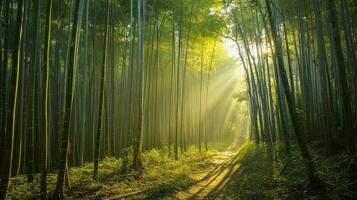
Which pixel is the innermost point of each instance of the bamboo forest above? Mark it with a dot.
(178, 99)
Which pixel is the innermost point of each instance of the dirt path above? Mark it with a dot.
(211, 185)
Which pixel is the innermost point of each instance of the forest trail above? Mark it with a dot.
(211, 185)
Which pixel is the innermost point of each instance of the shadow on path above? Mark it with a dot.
(209, 186)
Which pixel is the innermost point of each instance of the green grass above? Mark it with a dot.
(255, 178)
(262, 177)
(219, 146)
(259, 176)
(161, 175)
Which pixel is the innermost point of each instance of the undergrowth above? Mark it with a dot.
(263, 176)
(161, 175)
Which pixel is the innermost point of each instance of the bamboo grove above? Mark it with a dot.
(300, 64)
(82, 80)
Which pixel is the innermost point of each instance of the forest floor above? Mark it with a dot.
(253, 173)
(161, 176)
(211, 185)
(247, 173)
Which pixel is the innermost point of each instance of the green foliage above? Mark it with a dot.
(262, 177)
(161, 176)
(127, 159)
(169, 187)
(219, 146)
(256, 176)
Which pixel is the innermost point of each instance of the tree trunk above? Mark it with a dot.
(289, 97)
(7, 150)
(138, 126)
(101, 100)
(69, 99)
(335, 40)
